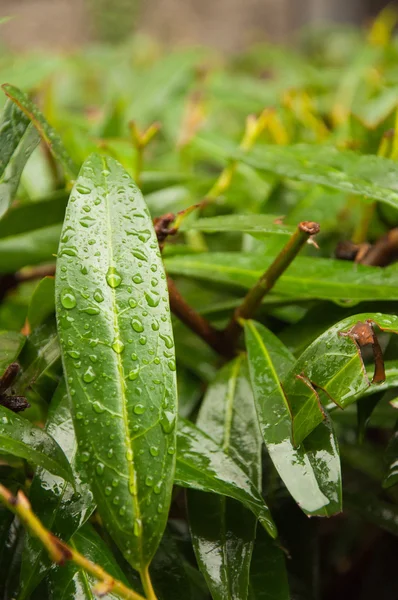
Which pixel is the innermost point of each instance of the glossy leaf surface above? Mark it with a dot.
(18, 139)
(202, 465)
(333, 364)
(268, 575)
(305, 278)
(118, 354)
(311, 472)
(30, 248)
(49, 135)
(20, 438)
(71, 582)
(61, 508)
(223, 540)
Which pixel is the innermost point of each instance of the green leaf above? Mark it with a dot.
(30, 248)
(223, 530)
(61, 508)
(17, 141)
(45, 130)
(71, 582)
(42, 303)
(24, 218)
(258, 225)
(203, 465)
(268, 575)
(311, 472)
(369, 176)
(332, 364)
(118, 354)
(20, 438)
(11, 344)
(305, 278)
(372, 509)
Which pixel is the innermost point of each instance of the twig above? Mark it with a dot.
(59, 551)
(254, 297)
(198, 324)
(140, 141)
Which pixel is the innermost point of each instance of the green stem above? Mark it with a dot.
(267, 281)
(147, 584)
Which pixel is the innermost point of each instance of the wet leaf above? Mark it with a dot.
(42, 303)
(268, 575)
(311, 472)
(61, 508)
(71, 582)
(20, 438)
(49, 135)
(118, 355)
(332, 364)
(18, 139)
(203, 465)
(223, 530)
(305, 278)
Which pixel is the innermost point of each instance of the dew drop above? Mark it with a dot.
(142, 340)
(68, 299)
(134, 356)
(132, 302)
(113, 278)
(90, 310)
(152, 299)
(139, 409)
(172, 365)
(138, 278)
(100, 468)
(168, 421)
(93, 358)
(85, 457)
(137, 325)
(98, 295)
(108, 490)
(168, 341)
(155, 325)
(158, 487)
(137, 527)
(171, 450)
(133, 374)
(122, 511)
(110, 453)
(73, 354)
(82, 189)
(154, 450)
(117, 345)
(89, 375)
(79, 416)
(149, 481)
(98, 407)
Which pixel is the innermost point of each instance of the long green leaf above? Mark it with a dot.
(20, 438)
(61, 508)
(203, 465)
(258, 225)
(305, 278)
(370, 176)
(228, 416)
(45, 130)
(30, 248)
(42, 303)
(268, 575)
(332, 364)
(311, 473)
(24, 218)
(118, 354)
(18, 139)
(71, 582)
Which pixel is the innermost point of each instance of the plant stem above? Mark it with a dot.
(267, 281)
(59, 551)
(198, 324)
(147, 584)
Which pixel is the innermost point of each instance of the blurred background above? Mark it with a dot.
(225, 24)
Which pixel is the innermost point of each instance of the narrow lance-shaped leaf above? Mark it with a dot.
(19, 437)
(322, 278)
(11, 344)
(118, 354)
(257, 225)
(268, 574)
(18, 139)
(49, 135)
(202, 465)
(71, 582)
(332, 364)
(391, 460)
(61, 508)
(223, 531)
(311, 473)
(42, 303)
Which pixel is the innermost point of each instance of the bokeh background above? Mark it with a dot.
(226, 24)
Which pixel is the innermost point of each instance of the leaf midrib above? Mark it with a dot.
(128, 440)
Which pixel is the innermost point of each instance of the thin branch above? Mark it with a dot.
(198, 324)
(59, 551)
(264, 285)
